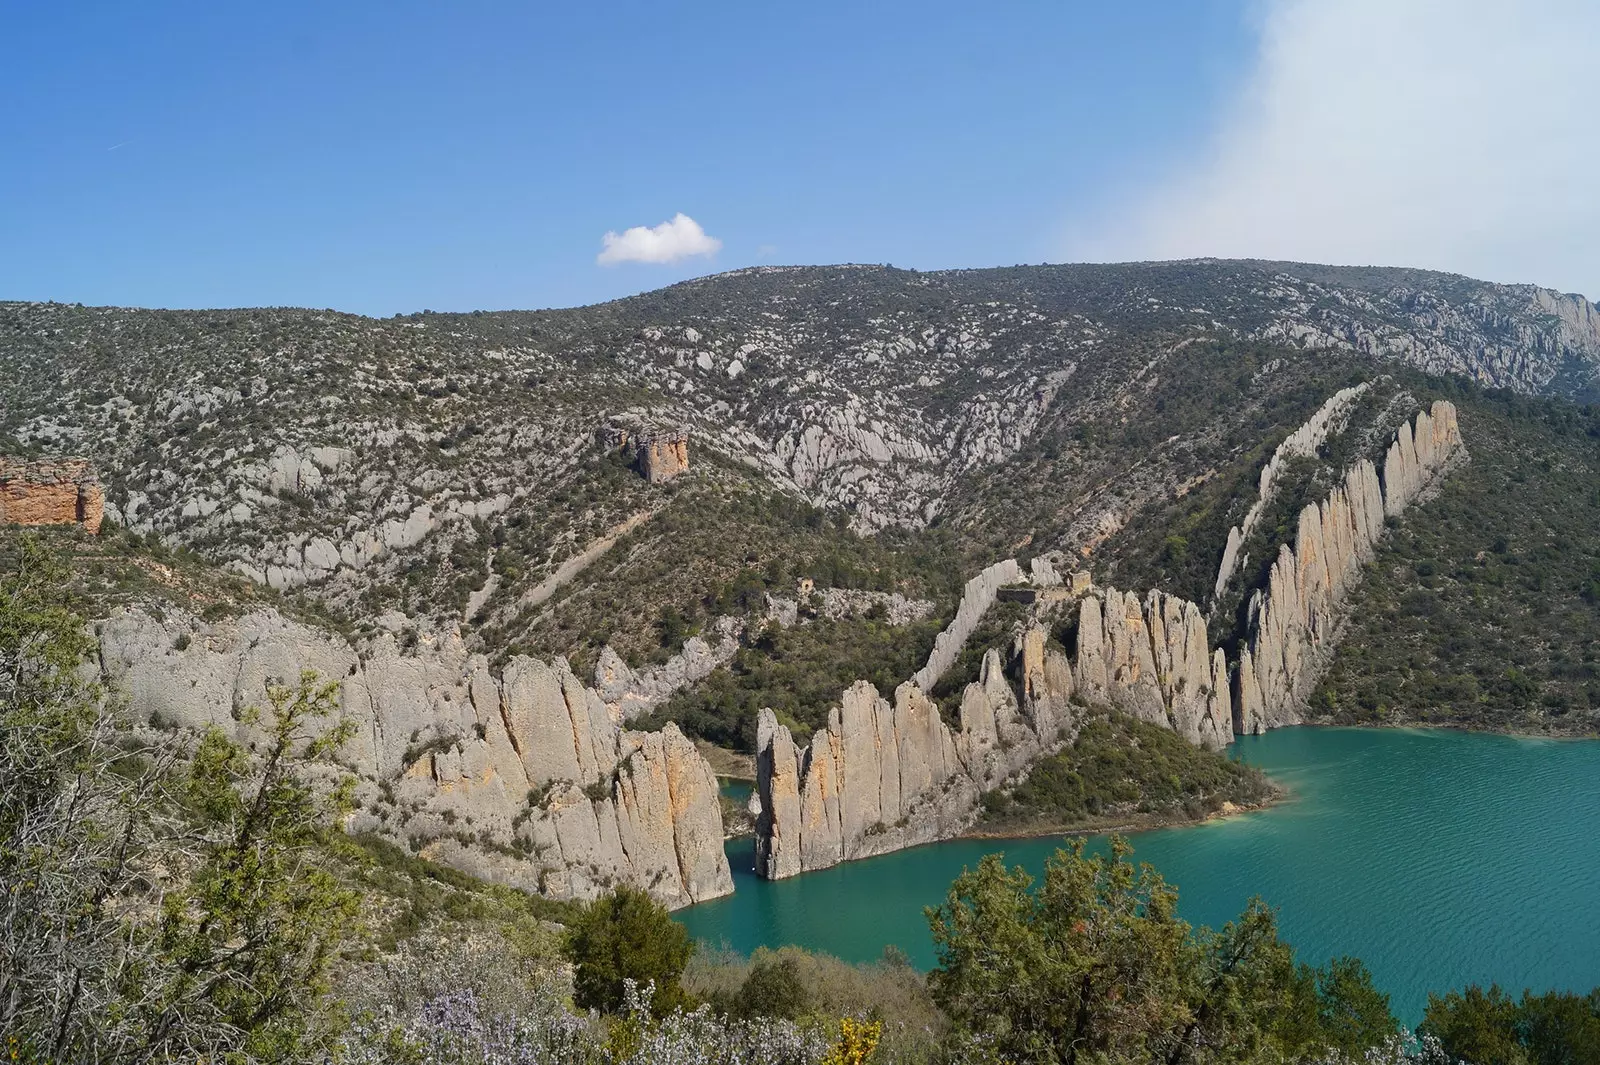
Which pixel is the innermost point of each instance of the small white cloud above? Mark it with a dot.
(677, 239)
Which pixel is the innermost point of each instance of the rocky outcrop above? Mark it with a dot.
(664, 456)
(1329, 420)
(527, 777)
(630, 692)
(50, 492)
(884, 776)
(1295, 620)
(976, 599)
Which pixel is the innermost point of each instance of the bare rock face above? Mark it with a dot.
(976, 598)
(1297, 619)
(664, 456)
(532, 763)
(50, 492)
(1330, 418)
(630, 692)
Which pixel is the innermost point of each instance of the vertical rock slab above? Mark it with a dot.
(778, 784)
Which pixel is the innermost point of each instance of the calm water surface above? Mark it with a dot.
(1436, 857)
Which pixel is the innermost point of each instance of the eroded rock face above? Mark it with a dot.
(1329, 419)
(1297, 617)
(532, 766)
(631, 692)
(976, 598)
(50, 492)
(885, 776)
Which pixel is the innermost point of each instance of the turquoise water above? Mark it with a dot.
(1436, 857)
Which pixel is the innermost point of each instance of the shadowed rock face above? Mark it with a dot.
(1296, 620)
(50, 492)
(527, 778)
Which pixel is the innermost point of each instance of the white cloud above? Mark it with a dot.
(677, 239)
(1452, 134)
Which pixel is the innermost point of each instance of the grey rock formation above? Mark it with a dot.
(630, 692)
(532, 763)
(1296, 619)
(976, 599)
(1329, 420)
(881, 777)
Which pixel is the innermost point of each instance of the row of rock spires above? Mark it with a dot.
(1295, 618)
(1330, 418)
(527, 778)
(882, 776)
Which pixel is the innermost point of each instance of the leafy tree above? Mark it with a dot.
(1475, 1025)
(773, 989)
(1489, 1027)
(624, 936)
(128, 931)
(1095, 965)
(254, 932)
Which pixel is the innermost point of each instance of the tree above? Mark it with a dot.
(1096, 966)
(624, 936)
(75, 824)
(254, 930)
(1491, 1028)
(151, 911)
(1475, 1025)
(773, 988)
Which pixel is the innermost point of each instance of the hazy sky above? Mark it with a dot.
(384, 157)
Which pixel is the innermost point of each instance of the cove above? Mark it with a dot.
(1437, 857)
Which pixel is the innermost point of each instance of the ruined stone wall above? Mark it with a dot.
(50, 492)
(663, 457)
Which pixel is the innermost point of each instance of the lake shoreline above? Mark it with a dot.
(1102, 826)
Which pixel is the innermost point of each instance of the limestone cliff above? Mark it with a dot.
(50, 492)
(527, 778)
(1294, 622)
(885, 776)
(1303, 442)
(976, 599)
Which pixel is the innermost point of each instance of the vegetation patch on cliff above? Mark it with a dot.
(1483, 608)
(799, 673)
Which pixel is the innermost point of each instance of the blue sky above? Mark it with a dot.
(390, 157)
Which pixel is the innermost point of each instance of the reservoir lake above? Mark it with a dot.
(1437, 857)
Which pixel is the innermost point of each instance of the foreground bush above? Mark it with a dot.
(1096, 966)
(626, 938)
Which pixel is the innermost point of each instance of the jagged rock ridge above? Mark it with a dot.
(1295, 620)
(527, 778)
(884, 776)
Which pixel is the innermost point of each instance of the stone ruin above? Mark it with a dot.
(658, 454)
(50, 492)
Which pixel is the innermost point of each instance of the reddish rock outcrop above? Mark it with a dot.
(50, 492)
(663, 457)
